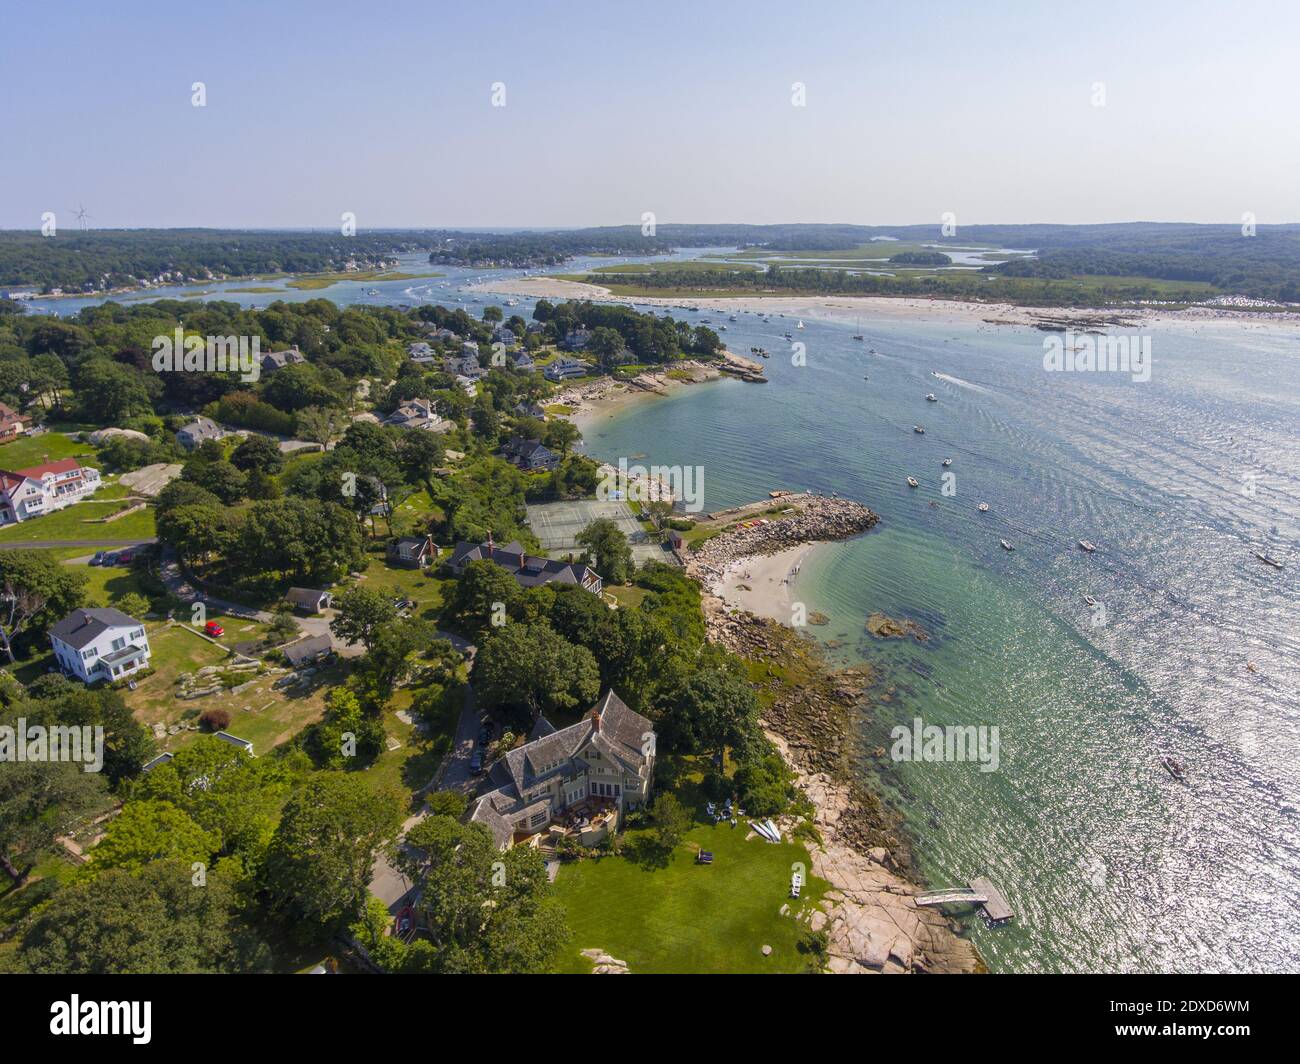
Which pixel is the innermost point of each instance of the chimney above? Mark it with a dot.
(489, 543)
(595, 720)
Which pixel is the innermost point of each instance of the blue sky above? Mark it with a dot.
(612, 109)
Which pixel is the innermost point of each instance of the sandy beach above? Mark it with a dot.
(851, 309)
(762, 584)
(595, 401)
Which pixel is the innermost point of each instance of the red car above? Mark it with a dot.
(213, 629)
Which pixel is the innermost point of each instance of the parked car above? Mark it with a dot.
(213, 629)
(476, 762)
(100, 558)
(125, 557)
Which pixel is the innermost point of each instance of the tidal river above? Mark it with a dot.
(1192, 648)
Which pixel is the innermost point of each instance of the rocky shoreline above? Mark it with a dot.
(870, 918)
(816, 519)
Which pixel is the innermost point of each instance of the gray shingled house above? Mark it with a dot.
(576, 781)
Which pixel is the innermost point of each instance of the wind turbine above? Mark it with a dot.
(81, 216)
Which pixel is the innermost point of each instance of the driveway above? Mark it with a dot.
(170, 571)
(454, 773)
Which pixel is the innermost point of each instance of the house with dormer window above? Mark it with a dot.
(576, 781)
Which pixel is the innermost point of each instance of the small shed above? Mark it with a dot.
(308, 650)
(308, 599)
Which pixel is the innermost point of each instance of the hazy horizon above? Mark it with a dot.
(753, 113)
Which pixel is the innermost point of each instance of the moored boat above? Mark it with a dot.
(983, 507)
(1173, 767)
(1084, 545)
(912, 482)
(1006, 545)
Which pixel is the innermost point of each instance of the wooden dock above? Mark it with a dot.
(996, 909)
(979, 892)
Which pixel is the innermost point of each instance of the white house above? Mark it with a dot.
(100, 644)
(564, 368)
(42, 489)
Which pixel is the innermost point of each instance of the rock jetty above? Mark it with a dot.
(816, 519)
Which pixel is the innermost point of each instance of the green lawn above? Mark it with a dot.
(413, 764)
(31, 451)
(425, 590)
(83, 520)
(687, 917)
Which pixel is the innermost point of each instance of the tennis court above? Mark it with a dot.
(557, 525)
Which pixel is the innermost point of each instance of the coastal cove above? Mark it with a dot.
(1109, 863)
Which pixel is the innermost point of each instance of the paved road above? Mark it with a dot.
(41, 544)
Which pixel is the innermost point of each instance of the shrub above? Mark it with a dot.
(214, 720)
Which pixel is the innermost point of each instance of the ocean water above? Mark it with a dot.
(1110, 864)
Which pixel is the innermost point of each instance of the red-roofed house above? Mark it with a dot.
(12, 424)
(44, 488)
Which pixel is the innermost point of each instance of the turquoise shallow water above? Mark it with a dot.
(1110, 864)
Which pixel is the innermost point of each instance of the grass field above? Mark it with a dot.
(311, 282)
(425, 590)
(264, 715)
(83, 520)
(28, 451)
(684, 917)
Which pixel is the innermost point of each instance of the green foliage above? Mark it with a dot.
(485, 911)
(533, 667)
(318, 865)
(153, 920)
(607, 550)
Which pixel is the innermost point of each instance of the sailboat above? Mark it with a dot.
(799, 325)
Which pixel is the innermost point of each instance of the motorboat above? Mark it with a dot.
(930, 397)
(1006, 545)
(919, 429)
(983, 507)
(912, 482)
(1084, 545)
(947, 462)
(1173, 767)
